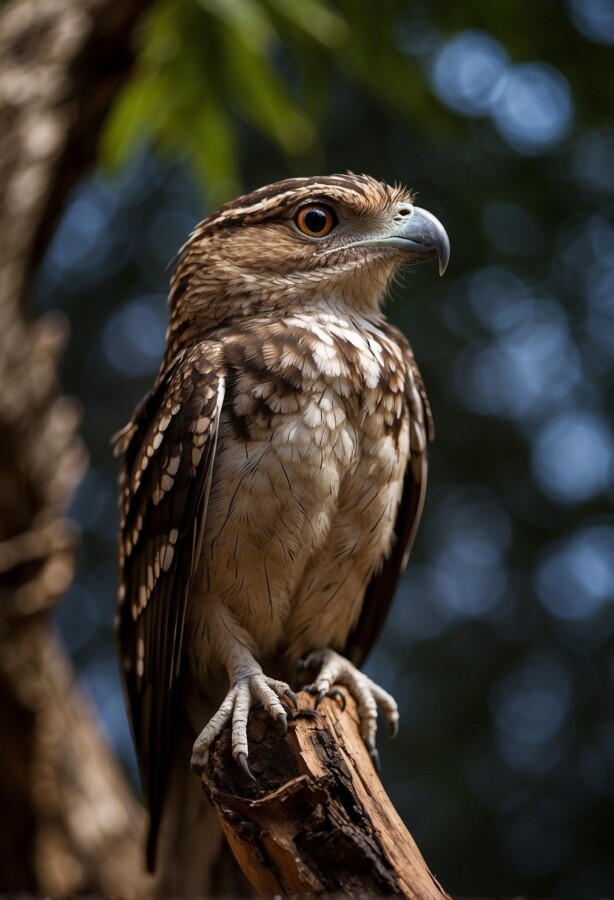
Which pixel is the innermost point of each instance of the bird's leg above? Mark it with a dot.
(249, 686)
(334, 669)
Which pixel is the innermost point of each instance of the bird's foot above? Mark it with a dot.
(247, 692)
(335, 670)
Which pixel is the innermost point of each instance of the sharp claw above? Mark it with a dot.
(282, 718)
(199, 767)
(307, 714)
(336, 694)
(394, 728)
(370, 744)
(376, 761)
(320, 697)
(242, 760)
(309, 689)
(292, 696)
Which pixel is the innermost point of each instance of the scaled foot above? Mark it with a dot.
(255, 689)
(334, 669)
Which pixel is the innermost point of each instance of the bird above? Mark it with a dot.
(273, 479)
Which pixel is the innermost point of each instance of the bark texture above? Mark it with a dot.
(317, 820)
(70, 823)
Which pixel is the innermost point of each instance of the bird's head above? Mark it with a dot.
(305, 243)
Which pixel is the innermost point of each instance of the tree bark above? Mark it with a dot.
(317, 819)
(70, 823)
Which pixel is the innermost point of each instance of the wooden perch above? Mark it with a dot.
(317, 820)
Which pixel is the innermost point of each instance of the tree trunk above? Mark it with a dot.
(70, 822)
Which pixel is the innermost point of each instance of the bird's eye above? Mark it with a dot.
(315, 221)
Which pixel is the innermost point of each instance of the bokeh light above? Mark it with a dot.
(472, 534)
(575, 580)
(594, 19)
(133, 339)
(573, 456)
(534, 110)
(529, 704)
(530, 367)
(468, 70)
(593, 153)
(530, 103)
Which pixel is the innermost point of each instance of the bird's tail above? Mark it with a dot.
(193, 858)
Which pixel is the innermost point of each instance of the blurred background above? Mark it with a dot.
(501, 116)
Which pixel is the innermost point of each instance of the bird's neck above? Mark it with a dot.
(198, 308)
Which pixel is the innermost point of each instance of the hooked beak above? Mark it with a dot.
(419, 234)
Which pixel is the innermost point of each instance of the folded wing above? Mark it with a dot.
(382, 587)
(169, 450)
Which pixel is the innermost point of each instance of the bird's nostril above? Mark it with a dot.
(405, 210)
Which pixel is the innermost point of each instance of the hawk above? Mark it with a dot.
(273, 478)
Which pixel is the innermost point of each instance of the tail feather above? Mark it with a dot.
(191, 855)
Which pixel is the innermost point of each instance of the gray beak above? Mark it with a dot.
(419, 234)
(424, 235)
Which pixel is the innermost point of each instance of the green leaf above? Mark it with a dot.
(316, 19)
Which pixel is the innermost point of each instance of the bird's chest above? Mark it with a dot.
(282, 462)
(306, 420)
(306, 403)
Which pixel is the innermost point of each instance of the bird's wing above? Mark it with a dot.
(381, 589)
(169, 449)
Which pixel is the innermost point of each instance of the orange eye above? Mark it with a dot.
(315, 221)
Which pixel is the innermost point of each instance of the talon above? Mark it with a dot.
(321, 695)
(307, 713)
(242, 760)
(373, 753)
(336, 694)
(394, 728)
(199, 767)
(282, 718)
(301, 665)
(368, 696)
(292, 697)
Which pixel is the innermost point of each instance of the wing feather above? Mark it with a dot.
(382, 587)
(169, 450)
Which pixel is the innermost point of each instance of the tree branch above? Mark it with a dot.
(317, 820)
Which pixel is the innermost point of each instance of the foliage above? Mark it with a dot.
(208, 67)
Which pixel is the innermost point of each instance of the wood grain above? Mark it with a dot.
(317, 820)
